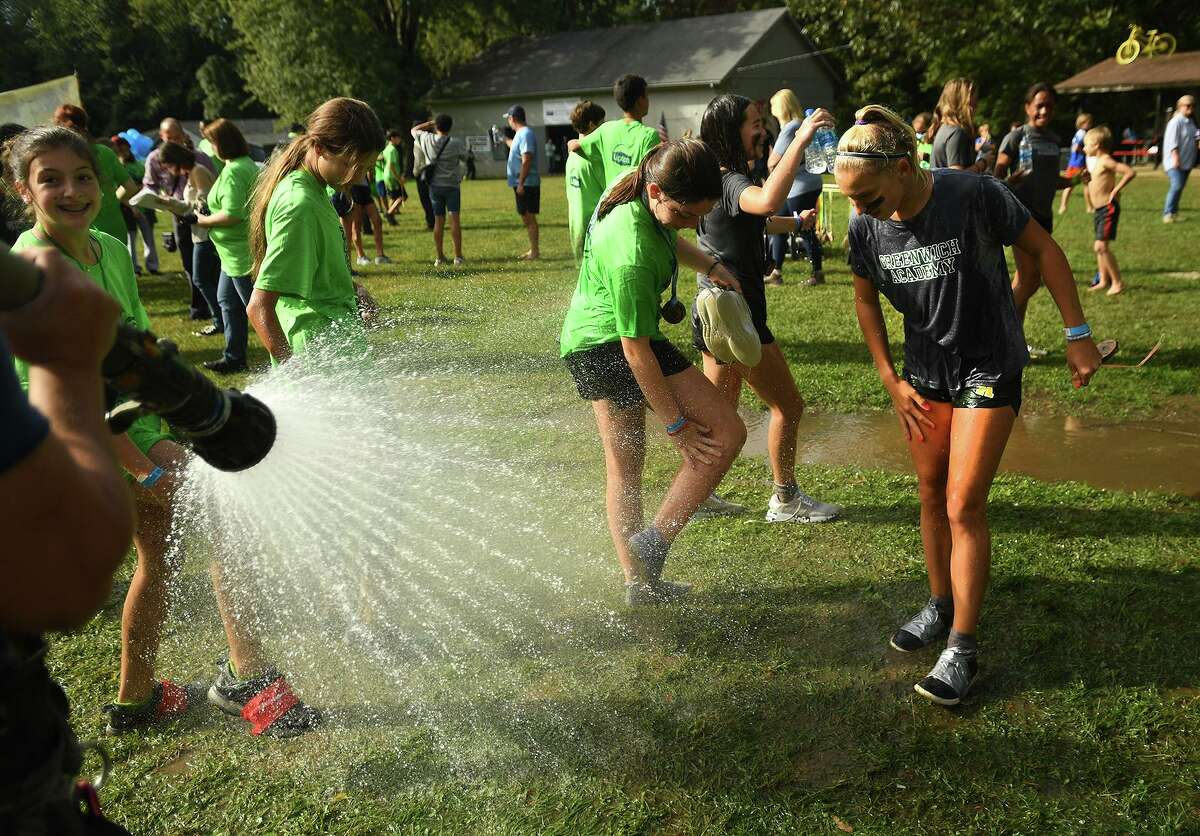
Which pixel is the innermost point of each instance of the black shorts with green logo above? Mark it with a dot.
(978, 396)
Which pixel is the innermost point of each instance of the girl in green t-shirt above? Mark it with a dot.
(302, 288)
(55, 172)
(621, 362)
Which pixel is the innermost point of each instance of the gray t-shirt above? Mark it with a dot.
(944, 269)
(952, 146)
(736, 237)
(447, 173)
(1037, 190)
(804, 182)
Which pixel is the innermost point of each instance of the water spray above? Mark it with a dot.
(228, 429)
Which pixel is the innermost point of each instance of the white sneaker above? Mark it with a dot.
(459, 261)
(1035, 352)
(1168, 219)
(440, 262)
(382, 259)
(717, 506)
(802, 508)
(363, 261)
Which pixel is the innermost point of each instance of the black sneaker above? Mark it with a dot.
(168, 701)
(267, 702)
(951, 677)
(224, 366)
(922, 630)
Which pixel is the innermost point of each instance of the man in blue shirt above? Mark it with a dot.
(1179, 154)
(523, 175)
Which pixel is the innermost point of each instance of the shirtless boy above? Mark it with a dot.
(1102, 194)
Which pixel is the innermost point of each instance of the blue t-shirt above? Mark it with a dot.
(24, 426)
(525, 142)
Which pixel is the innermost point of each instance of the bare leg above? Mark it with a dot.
(977, 441)
(376, 227)
(772, 381)
(531, 227)
(1114, 272)
(356, 230)
(931, 458)
(1026, 282)
(700, 402)
(439, 232)
(623, 433)
(1101, 266)
(146, 602)
(245, 649)
(456, 234)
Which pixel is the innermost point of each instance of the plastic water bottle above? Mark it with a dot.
(821, 153)
(1025, 150)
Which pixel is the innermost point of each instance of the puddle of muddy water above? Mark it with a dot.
(1142, 455)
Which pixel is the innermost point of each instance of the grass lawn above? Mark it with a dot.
(769, 702)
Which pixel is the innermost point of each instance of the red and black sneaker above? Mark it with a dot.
(168, 701)
(266, 702)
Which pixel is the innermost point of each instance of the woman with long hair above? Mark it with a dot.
(621, 361)
(733, 234)
(933, 242)
(802, 196)
(302, 287)
(953, 131)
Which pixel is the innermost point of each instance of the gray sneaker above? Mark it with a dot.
(650, 593)
(951, 677)
(717, 506)
(802, 508)
(922, 630)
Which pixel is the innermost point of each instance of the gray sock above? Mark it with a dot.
(652, 549)
(962, 641)
(944, 606)
(786, 493)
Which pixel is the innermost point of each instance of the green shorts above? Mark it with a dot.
(980, 396)
(145, 433)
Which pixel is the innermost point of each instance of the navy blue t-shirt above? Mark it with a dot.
(24, 427)
(944, 269)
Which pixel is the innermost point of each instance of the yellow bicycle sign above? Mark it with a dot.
(1150, 44)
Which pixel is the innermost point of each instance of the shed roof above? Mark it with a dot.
(1179, 70)
(672, 53)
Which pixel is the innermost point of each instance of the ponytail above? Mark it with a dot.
(339, 126)
(685, 169)
(883, 138)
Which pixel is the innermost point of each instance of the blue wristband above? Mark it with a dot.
(1078, 332)
(151, 478)
(679, 424)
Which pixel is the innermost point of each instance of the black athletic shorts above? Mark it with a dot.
(530, 202)
(361, 194)
(1106, 218)
(602, 373)
(981, 396)
(1046, 221)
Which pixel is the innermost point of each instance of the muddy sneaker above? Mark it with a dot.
(267, 702)
(382, 259)
(362, 261)
(802, 508)
(650, 593)
(922, 630)
(717, 506)
(817, 279)
(951, 677)
(168, 701)
(459, 261)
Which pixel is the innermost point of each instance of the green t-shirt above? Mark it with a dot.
(381, 166)
(392, 160)
(136, 170)
(231, 193)
(627, 264)
(583, 193)
(112, 174)
(207, 147)
(617, 146)
(306, 260)
(113, 271)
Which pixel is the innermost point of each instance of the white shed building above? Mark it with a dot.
(685, 63)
